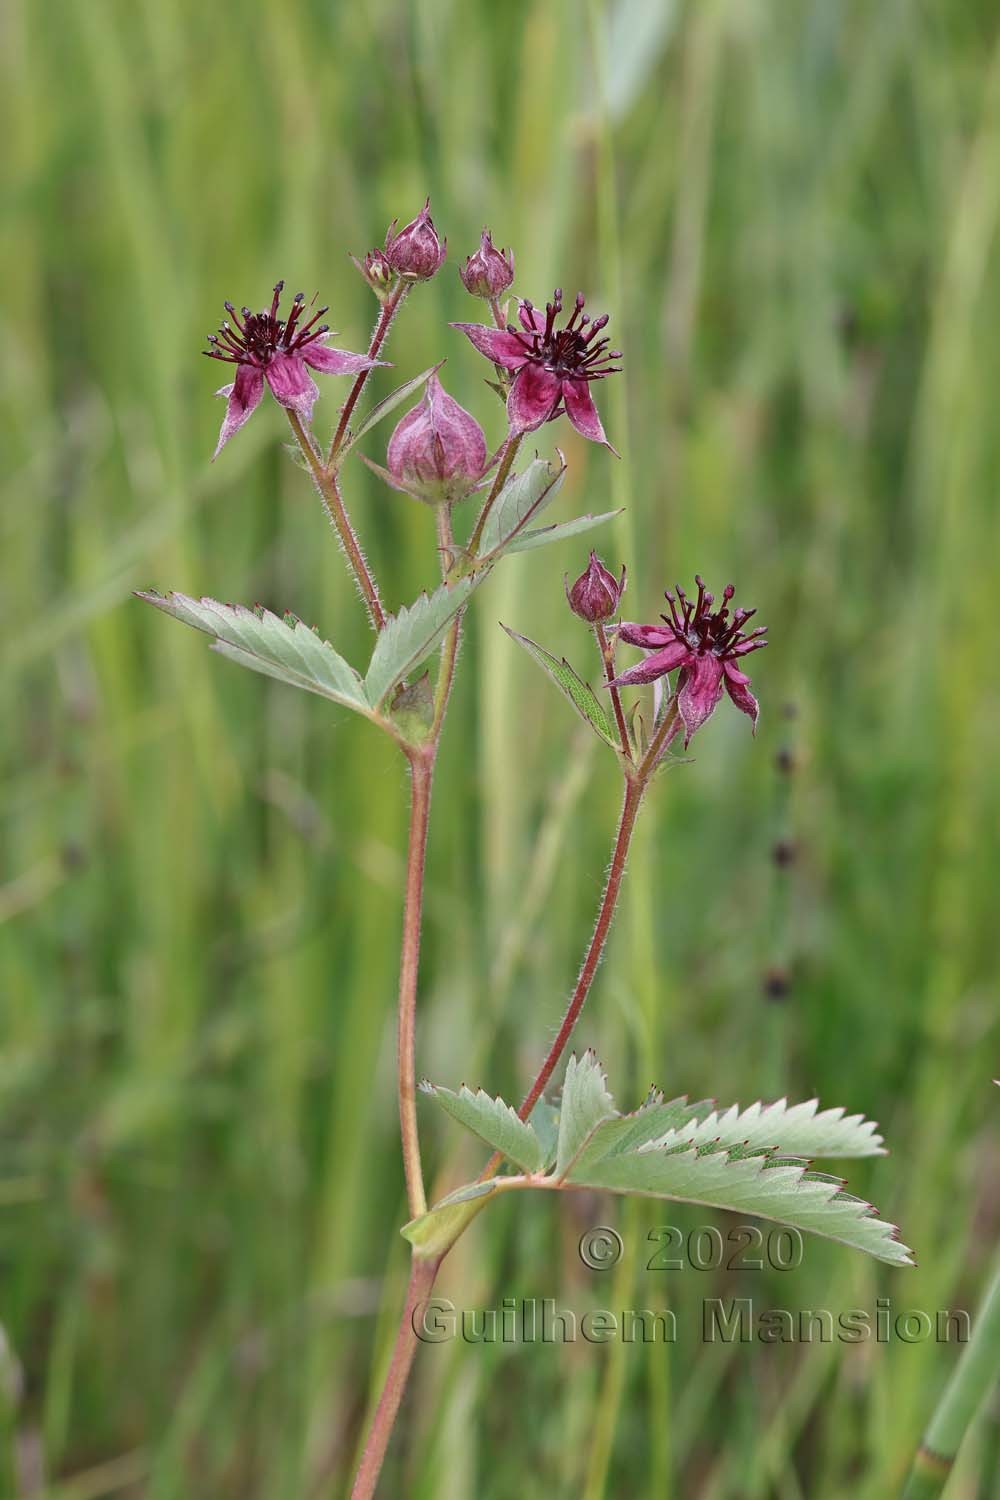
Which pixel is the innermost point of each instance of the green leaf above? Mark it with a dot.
(521, 500)
(579, 693)
(412, 634)
(651, 1122)
(383, 408)
(439, 1228)
(545, 1122)
(792, 1129)
(769, 1188)
(585, 1103)
(494, 1122)
(560, 531)
(284, 649)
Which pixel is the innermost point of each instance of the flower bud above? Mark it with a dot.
(415, 252)
(377, 272)
(490, 272)
(438, 451)
(596, 594)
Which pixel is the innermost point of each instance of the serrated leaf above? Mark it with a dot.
(440, 1226)
(284, 649)
(522, 499)
(412, 634)
(559, 531)
(494, 1122)
(792, 1130)
(751, 1184)
(579, 693)
(585, 1103)
(382, 408)
(653, 1121)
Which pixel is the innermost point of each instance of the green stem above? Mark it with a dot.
(421, 780)
(388, 311)
(971, 1381)
(326, 482)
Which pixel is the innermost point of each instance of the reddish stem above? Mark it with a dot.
(422, 1274)
(388, 311)
(326, 482)
(634, 788)
(608, 659)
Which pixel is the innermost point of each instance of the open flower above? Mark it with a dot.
(266, 347)
(438, 451)
(705, 644)
(554, 366)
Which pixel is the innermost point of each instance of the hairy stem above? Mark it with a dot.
(326, 483)
(636, 783)
(388, 311)
(634, 789)
(608, 660)
(422, 1274)
(421, 778)
(973, 1377)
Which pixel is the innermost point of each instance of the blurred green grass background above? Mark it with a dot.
(790, 211)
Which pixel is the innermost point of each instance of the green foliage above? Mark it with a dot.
(494, 1122)
(580, 693)
(561, 531)
(285, 649)
(702, 1156)
(411, 635)
(522, 500)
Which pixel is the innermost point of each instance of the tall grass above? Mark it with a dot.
(791, 212)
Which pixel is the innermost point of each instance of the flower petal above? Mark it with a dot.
(699, 691)
(291, 384)
(738, 688)
(532, 398)
(331, 361)
(582, 412)
(504, 349)
(530, 318)
(657, 664)
(244, 397)
(647, 636)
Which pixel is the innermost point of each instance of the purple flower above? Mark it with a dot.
(490, 272)
(596, 593)
(705, 645)
(415, 252)
(438, 451)
(554, 365)
(265, 347)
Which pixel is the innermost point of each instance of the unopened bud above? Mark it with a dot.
(415, 252)
(438, 451)
(377, 272)
(596, 594)
(490, 272)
